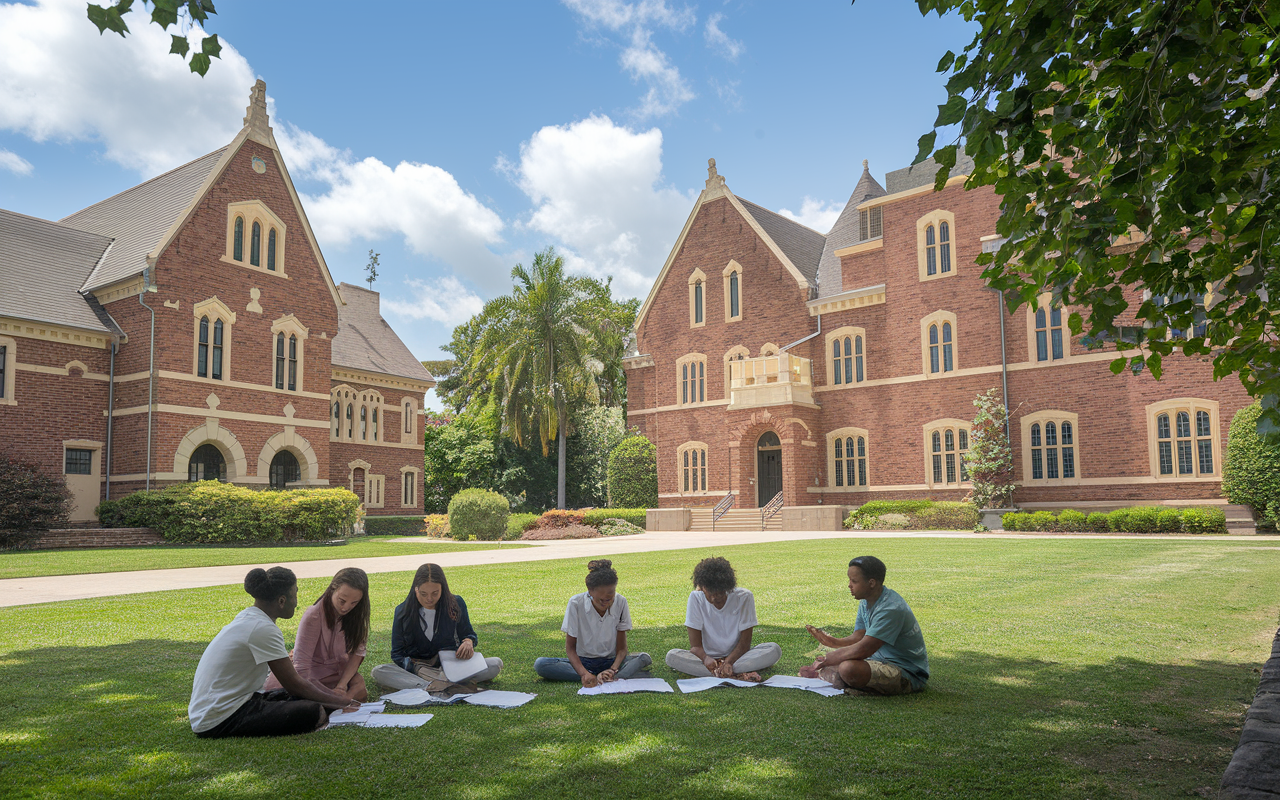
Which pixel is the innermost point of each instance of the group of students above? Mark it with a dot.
(249, 684)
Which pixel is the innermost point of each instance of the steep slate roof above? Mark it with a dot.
(801, 244)
(138, 218)
(42, 266)
(845, 233)
(923, 173)
(366, 342)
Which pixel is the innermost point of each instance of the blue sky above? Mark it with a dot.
(456, 139)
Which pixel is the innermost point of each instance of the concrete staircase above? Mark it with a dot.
(735, 519)
(1240, 519)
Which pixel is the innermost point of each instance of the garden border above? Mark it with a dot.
(1254, 771)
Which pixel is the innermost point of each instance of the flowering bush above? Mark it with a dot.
(990, 458)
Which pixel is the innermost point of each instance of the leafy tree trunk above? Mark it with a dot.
(560, 460)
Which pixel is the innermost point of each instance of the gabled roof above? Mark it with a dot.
(923, 174)
(803, 245)
(138, 218)
(845, 233)
(42, 266)
(366, 342)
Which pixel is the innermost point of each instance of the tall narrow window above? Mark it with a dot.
(839, 470)
(934, 362)
(693, 469)
(293, 363)
(697, 302)
(255, 245)
(1037, 453)
(279, 360)
(237, 243)
(364, 423)
(930, 252)
(1204, 441)
(4, 365)
(734, 310)
(1183, 430)
(944, 247)
(1042, 336)
(686, 470)
(948, 449)
(408, 418)
(862, 461)
(848, 361)
(202, 349)
(271, 250)
(838, 372)
(1051, 450)
(350, 422)
(947, 364)
(857, 357)
(216, 371)
(1068, 450)
(337, 419)
(1164, 445)
(949, 438)
(702, 382)
(1049, 341)
(375, 424)
(684, 384)
(936, 441)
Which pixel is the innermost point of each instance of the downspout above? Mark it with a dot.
(151, 369)
(111, 409)
(1004, 368)
(806, 338)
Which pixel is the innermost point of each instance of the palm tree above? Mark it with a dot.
(538, 354)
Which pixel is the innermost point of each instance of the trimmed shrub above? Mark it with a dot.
(560, 519)
(479, 513)
(1204, 520)
(567, 532)
(1042, 521)
(1072, 521)
(1169, 520)
(31, 501)
(618, 527)
(518, 524)
(395, 526)
(1138, 519)
(1251, 471)
(633, 474)
(946, 516)
(636, 516)
(917, 515)
(1097, 522)
(1014, 521)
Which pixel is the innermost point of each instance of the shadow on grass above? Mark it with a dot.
(111, 722)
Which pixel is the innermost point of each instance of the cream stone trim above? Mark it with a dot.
(190, 411)
(885, 199)
(1191, 405)
(942, 425)
(256, 387)
(727, 273)
(62, 371)
(306, 229)
(697, 278)
(408, 408)
(702, 448)
(212, 433)
(1045, 301)
(860, 247)
(1116, 481)
(252, 211)
(81, 444)
(380, 379)
(64, 334)
(120, 290)
(11, 367)
(677, 407)
(375, 490)
(768, 349)
(844, 433)
(214, 309)
(936, 218)
(938, 318)
(289, 325)
(854, 298)
(729, 358)
(691, 359)
(839, 334)
(410, 485)
(1057, 417)
(638, 362)
(290, 440)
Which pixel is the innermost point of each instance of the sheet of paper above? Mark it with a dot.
(343, 717)
(628, 686)
(690, 685)
(457, 670)
(419, 697)
(815, 685)
(397, 720)
(498, 699)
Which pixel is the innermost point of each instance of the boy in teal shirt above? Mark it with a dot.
(886, 653)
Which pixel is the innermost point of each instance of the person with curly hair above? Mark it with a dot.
(720, 618)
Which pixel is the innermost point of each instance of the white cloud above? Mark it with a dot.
(62, 81)
(598, 189)
(719, 41)
(14, 163)
(617, 15)
(444, 300)
(815, 214)
(667, 89)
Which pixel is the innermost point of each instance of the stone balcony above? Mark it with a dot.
(772, 380)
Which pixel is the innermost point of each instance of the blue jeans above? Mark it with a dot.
(559, 669)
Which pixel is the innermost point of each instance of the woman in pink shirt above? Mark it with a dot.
(331, 637)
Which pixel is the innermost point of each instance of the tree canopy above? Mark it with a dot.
(1135, 146)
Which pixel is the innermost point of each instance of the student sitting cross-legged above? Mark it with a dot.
(430, 620)
(225, 696)
(720, 618)
(886, 653)
(331, 637)
(595, 634)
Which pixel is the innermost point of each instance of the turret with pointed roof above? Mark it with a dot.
(845, 233)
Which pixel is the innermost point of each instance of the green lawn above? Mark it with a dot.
(36, 563)
(1073, 669)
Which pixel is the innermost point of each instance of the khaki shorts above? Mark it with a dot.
(887, 679)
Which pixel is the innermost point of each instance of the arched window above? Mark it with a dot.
(697, 302)
(850, 468)
(255, 245)
(207, 464)
(857, 359)
(408, 418)
(935, 237)
(375, 424)
(930, 252)
(1049, 437)
(948, 447)
(364, 423)
(284, 470)
(202, 349)
(271, 250)
(293, 363)
(1204, 442)
(1049, 335)
(280, 360)
(947, 364)
(693, 467)
(944, 247)
(350, 422)
(237, 247)
(684, 384)
(842, 357)
(938, 343)
(337, 419)
(693, 381)
(216, 371)
(934, 361)
(734, 310)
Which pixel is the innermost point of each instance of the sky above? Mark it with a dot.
(458, 139)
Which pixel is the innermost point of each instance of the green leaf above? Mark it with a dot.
(1117, 366)
(926, 147)
(211, 46)
(952, 112)
(946, 61)
(165, 13)
(200, 64)
(1075, 323)
(180, 45)
(109, 18)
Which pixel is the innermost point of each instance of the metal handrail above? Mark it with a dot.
(722, 508)
(770, 509)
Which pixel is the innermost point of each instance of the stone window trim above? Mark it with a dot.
(79, 446)
(736, 353)
(1045, 303)
(697, 299)
(942, 258)
(290, 326)
(861, 460)
(691, 379)
(732, 286)
(214, 310)
(1040, 421)
(409, 487)
(409, 419)
(356, 415)
(939, 319)
(251, 212)
(691, 469)
(1195, 440)
(960, 445)
(8, 371)
(852, 365)
(375, 490)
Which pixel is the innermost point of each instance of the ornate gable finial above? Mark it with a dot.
(865, 166)
(714, 178)
(255, 116)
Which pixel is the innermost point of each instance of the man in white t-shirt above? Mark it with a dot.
(720, 618)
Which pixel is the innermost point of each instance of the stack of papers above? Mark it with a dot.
(457, 670)
(691, 685)
(815, 685)
(497, 699)
(419, 697)
(628, 686)
(357, 717)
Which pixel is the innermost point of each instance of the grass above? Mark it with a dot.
(1061, 669)
(38, 563)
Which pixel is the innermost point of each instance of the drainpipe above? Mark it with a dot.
(1004, 369)
(151, 377)
(111, 409)
(806, 338)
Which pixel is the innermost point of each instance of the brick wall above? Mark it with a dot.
(97, 537)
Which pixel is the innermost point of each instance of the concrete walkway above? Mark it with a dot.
(56, 588)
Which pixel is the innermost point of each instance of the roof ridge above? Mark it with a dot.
(140, 185)
(782, 216)
(55, 223)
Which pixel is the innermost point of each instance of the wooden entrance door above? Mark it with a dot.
(768, 467)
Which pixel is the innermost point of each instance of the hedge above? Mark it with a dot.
(595, 516)
(920, 515)
(212, 512)
(556, 518)
(1251, 470)
(31, 501)
(517, 524)
(395, 526)
(479, 513)
(618, 527)
(633, 474)
(1137, 519)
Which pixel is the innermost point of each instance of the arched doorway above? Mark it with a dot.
(284, 470)
(768, 467)
(207, 464)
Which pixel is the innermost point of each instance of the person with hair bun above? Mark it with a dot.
(720, 618)
(595, 634)
(331, 637)
(225, 695)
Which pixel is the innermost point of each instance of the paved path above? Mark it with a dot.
(55, 588)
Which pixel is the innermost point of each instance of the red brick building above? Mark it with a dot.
(188, 328)
(842, 368)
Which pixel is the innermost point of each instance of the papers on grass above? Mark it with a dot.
(628, 686)
(458, 670)
(815, 685)
(397, 720)
(419, 697)
(497, 699)
(691, 685)
(357, 717)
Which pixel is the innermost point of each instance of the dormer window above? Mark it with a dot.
(870, 223)
(935, 234)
